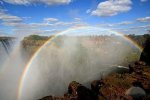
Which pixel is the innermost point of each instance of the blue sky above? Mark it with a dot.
(45, 17)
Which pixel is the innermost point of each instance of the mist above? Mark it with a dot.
(72, 58)
(12, 64)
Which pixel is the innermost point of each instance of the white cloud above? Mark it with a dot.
(112, 7)
(145, 26)
(134, 30)
(145, 19)
(50, 19)
(47, 26)
(137, 27)
(116, 24)
(125, 23)
(29, 2)
(77, 19)
(8, 19)
(144, 0)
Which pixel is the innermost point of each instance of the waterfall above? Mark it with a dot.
(6, 45)
(12, 62)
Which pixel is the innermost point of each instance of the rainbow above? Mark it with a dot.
(27, 67)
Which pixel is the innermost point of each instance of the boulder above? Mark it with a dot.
(136, 93)
(86, 94)
(81, 92)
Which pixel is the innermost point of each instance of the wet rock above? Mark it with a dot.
(131, 70)
(145, 55)
(73, 86)
(47, 98)
(140, 63)
(86, 94)
(136, 93)
(96, 85)
(81, 92)
(120, 69)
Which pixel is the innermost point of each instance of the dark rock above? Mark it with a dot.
(81, 92)
(145, 55)
(47, 98)
(131, 70)
(96, 85)
(72, 89)
(86, 94)
(137, 84)
(140, 63)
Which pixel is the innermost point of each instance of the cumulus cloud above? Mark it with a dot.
(112, 7)
(29, 2)
(145, 19)
(18, 22)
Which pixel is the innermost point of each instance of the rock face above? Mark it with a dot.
(145, 56)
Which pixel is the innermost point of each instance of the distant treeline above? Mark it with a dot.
(36, 37)
(139, 39)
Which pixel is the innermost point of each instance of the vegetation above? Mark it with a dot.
(36, 37)
(33, 42)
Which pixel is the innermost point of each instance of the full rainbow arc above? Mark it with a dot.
(27, 67)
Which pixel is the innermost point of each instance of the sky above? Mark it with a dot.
(46, 17)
